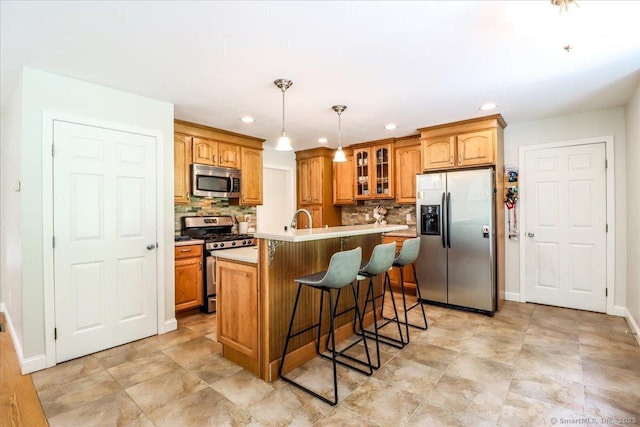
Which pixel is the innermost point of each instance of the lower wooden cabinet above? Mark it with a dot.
(237, 310)
(407, 272)
(188, 277)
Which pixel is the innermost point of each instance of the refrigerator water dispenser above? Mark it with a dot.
(430, 219)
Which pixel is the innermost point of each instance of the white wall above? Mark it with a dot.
(10, 244)
(566, 128)
(633, 206)
(279, 195)
(45, 91)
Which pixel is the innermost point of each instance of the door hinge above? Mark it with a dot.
(53, 150)
(606, 228)
(55, 333)
(53, 241)
(606, 292)
(606, 163)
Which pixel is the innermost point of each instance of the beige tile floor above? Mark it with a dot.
(529, 365)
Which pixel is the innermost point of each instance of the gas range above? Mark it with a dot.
(216, 232)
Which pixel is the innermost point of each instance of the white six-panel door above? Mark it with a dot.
(565, 235)
(104, 186)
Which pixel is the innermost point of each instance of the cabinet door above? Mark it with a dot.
(407, 167)
(438, 153)
(475, 148)
(343, 182)
(317, 218)
(188, 283)
(237, 306)
(310, 181)
(303, 175)
(317, 177)
(251, 181)
(204, 151)
(362, 162)
(228, 155)
(382, 173)
(181, 164)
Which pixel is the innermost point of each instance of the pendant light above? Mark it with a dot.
(339, 156)
(284, 143)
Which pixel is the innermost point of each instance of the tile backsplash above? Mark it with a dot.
(396, 214)
(216, 206)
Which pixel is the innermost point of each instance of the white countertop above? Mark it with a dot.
(246, 254)
(307, 234)
(189, 242)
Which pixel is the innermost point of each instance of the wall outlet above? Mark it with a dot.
(366, 217)
(408, 217)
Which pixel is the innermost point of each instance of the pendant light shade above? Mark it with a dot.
(339, 155)
(284, 143)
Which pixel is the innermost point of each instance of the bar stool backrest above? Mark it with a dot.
(408, 252)
(381, 259)
(343, 269)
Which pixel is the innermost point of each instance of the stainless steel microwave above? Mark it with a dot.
(212, 181)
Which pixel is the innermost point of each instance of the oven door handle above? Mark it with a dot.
(210, 275)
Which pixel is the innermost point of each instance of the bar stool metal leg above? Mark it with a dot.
(342, 271)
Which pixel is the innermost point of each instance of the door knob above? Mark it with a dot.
(530, 234)
(151, 247)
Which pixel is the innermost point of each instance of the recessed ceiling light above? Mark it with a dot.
(247, 119)
(488, 106)
(390, 126)
(323, 140)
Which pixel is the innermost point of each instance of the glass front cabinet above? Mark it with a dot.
(373, 166)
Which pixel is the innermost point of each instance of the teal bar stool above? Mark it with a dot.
(342, 271)
(407, 256)
(380, 262)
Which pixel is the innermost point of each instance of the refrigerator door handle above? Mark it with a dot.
(444, 245)
(449, 220)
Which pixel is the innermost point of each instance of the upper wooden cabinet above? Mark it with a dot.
(194, 143)
(343, 182)
(373, 165)
(181, 162)
(407, 166)
(310, 180)
(314, 187)
(468, 143)
(251, 181)
(215, 153)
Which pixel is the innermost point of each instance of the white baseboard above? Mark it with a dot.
(31, 364)
(512, 296)
(633, 324)
(169, 325)
(35, 363)
(619, 310)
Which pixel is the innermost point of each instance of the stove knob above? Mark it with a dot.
(222, 245)
(215, 245)
(233, 243)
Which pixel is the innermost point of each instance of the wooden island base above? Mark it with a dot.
(255, 301)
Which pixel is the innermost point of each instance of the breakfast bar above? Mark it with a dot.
(283, 256)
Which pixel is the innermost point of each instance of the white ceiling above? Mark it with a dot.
(417, 63)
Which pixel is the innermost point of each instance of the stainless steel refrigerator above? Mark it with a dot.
(456, 224)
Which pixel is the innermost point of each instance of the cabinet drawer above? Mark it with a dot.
(188, 251)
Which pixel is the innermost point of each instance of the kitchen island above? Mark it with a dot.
(283, 256)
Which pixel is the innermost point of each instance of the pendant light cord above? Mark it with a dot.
(340, 130)
(283, 90)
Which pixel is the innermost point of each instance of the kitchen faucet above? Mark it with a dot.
(294, 222)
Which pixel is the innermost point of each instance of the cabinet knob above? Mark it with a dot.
(151, 247)
(459, 159)
(451, 160)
